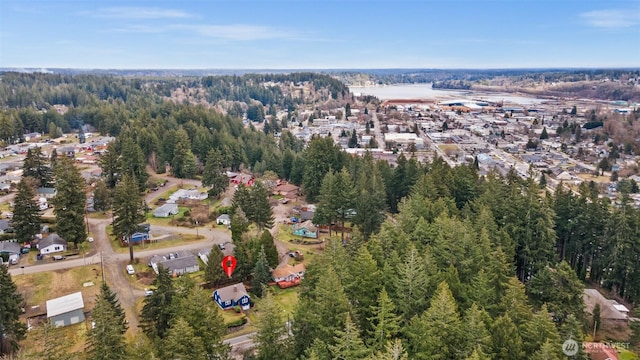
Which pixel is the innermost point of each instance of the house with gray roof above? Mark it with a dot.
(46, 192)
(232, 295)
(179, 265)
(166, 210)
(10, 248)
(52, 244)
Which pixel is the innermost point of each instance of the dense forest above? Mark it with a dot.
(442, 263)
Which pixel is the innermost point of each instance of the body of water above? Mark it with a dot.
(425, 91)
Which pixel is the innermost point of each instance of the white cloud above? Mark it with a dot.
(140, 29)
(238, 32)
(612, 18)
(134, 12)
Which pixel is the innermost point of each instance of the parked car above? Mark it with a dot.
(130, 269)
(58, 257)
(221, 246)
(148, 292)
(90, 239)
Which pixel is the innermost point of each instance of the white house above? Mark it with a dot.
(52, 244)
(183, 194)
(223, 219)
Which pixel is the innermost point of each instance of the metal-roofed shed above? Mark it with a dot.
(66, 310)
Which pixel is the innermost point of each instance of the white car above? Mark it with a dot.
(130, 270)
(90, 239)
(148, 292)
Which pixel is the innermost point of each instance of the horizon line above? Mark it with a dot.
(14, 68)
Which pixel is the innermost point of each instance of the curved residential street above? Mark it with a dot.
(114, 263)
(101, 253)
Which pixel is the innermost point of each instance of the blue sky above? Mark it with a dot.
(329, 34)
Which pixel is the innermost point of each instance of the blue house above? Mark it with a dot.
(232, 295)
(139, 236)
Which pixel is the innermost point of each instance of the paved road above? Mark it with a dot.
(114, 263)
(240, 344)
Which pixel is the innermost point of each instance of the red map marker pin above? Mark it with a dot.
(229, 264)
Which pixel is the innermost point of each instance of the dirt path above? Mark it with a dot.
(281, 213)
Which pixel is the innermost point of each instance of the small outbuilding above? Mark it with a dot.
(232, 295)
(52, 244)
(66, 310)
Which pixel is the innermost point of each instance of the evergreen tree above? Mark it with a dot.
(543, 181)
(102, 198)
(437, 333)
(157, 311)
(194, 306)
(182, 342)
(539, 331)
(35, 166)
(183, 165)
(214, 174)
(370, 200)
(106, 339)
(393, 351)
(141, 348)
(128, 210)
(560, 289)
(348, 344)
(385, 322)
(595, 318)
(261, 274)
(132, 162)
(50, 343)
(507, 343)
(271, 332)
(363, 287)
(270, 250)
(321, 155)
(353, 140)
(111, 165)
(412, 284)
(262, 214)
(544, 135)
(476, 336)
(13, 330)
(26, 219)
(321, 313)
(548, 351)
(69, 202)
(119, 317)
(213, 272)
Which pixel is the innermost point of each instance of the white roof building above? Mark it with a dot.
(66, 310)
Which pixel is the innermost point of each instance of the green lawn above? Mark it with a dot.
(286, 298)
(40, 287)
(624, 354)
(180, 239)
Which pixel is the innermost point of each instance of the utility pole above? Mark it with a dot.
(102, 267)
